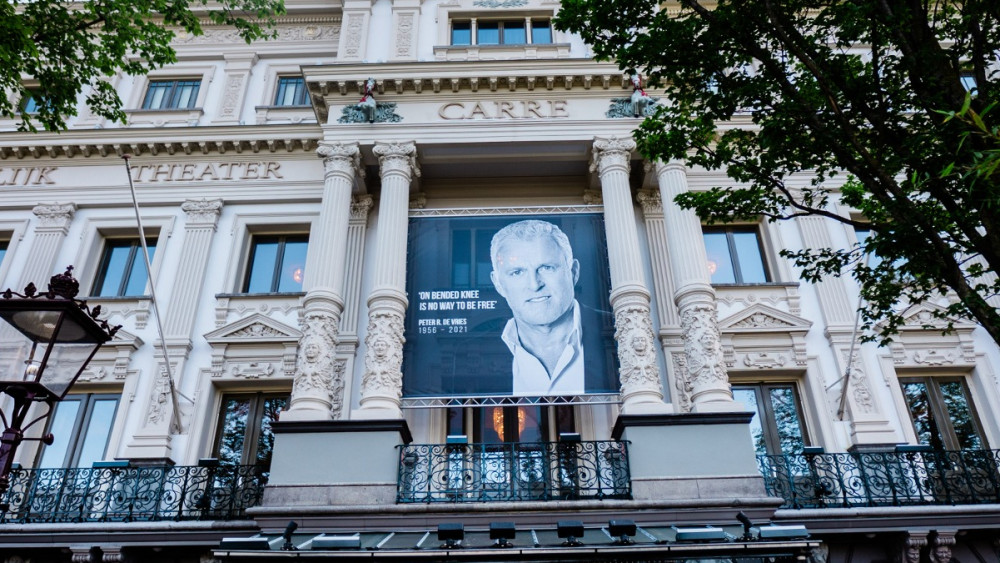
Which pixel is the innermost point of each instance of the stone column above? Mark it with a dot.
(706, 380)
(382, 384)
(53, 224)
(318, 389)
(238, 67)
(641, 389)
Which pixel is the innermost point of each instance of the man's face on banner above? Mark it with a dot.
(535, 279)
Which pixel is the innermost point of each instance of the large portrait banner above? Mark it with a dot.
(513, 305)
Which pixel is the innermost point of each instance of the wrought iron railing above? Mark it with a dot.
(900, 478)
(513, 472)
(124, 494)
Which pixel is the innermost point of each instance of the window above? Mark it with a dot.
(735, 255)
(501, 32)
(171, 94)
(969, 82)
(123, 269)
(32, 102)
(81, 425)
(3, 249)
(942, 413)
(276, 263)
(291, 91)
(776, 427)
(244, 435)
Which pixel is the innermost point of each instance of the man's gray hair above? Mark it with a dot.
(528, 230)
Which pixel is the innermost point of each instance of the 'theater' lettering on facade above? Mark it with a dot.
(519, 109)
(209, 171)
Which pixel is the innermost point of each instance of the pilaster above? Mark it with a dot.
(318, 389)
(382, 383)
(704, 379)
(641, 389)
(354, 30)
(237, 71)
(52, 224)
(405, 23)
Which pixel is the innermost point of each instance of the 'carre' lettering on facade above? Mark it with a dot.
(207, 171)
(27, 176)
(504, 109)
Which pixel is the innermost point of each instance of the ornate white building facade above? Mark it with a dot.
(284, 217)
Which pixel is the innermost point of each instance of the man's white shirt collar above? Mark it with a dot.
(530, 376)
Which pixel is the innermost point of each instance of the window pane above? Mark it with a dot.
(293, 265)
(513, 33)
(786, 419)
(541, 32)
(926, 427)
(95, 436)
(456, 421)
(233, 431)
(957, 404)
(529, 423)
(158, 89)
(265, 442)
(461, 258)
(186, 94)
(137, 277)
(461, 33)
(291, 91)
(263, 255)
(113, 267)
(751, 262)
(3, 249)
(488, 33)
(61, 427)
(748, 396)
(720, 263)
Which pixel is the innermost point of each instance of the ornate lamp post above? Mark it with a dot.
(46, 341)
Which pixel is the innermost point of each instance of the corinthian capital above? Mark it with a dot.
(55, 215)
(343, 158)
(202, 212)
(398, 157)
(612, 152)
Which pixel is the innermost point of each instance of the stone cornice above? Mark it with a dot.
(159, 141)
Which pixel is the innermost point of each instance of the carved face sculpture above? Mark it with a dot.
(941, 554)
(312, 351)
(380, 347)
(639, 344)
(912, 554)
(536, 279)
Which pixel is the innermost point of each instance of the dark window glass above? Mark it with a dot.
(3, 249)
(514, 33)
(81, 426)
(461, 33)
(277, 264)
(488, 33)
(735, 255)
(776, 427)
(942, 413)
(171, 94)
(496, 425)
(123, 268)
(32, 102)
(244, 435)
(291, 92)
(541, 31)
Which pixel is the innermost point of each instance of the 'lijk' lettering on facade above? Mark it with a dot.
(27, 176)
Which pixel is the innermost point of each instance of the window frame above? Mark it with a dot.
(282, 239)
(254, 427)
(135, 253)
(528, 22)
(302, 93)
(939, 410)
(769, 426)
(172, 95)
(35, 96)
(81, 423)
(729, 231)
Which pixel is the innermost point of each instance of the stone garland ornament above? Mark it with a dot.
(384, 356)
(316, 374)
(702, 346)
(636, 352)
(368, 110)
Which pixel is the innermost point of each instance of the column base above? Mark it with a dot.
(718, 407)
(304, 414)
(335, 463)
(646, 407)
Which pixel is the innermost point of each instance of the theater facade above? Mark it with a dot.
(352, 370)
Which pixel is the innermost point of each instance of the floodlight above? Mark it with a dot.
(245, 544)
(570, 530)
(502, 532)
(289, 530)
(451, 533)
(324, 541)
(699, 534)
(782, 532)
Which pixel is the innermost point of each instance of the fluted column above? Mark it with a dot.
(641, 389)
(53, 224)
(706, 380)
(382, 384)
(318, 389)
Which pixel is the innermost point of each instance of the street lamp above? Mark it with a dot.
(46, 341)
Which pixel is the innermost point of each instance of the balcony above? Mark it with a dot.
(116, 492)
(541, 471)
(907, 477)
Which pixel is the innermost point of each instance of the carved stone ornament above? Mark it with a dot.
(343, 158)
(612, 152)
(404, 35)
(317, 374)
(636, 349)
(306, 32)
(622, 108)
(360, 207)
(651, 203)
(159, 404)
(252, 370)
(203, 211)
(352, 41)
(397, 157)
(760, 320)
(500, 3)
(682, 382)
(54, 215)
(385, 112)
(232, 94)
(702, 346)
(764, 360)
(383, 356)
(860, 390)
(256, 330)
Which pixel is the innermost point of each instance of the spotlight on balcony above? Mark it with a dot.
(245, 544)
(287, 536)
(503, 532)
(570, 530)
(569, 437)
(451, 533)
(782, 532)
(747, 524)
(622, 530)
(699, 534)
(326, 542)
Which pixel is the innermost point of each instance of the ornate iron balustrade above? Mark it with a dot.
(901, 478)
(123, 494)
(513, 472)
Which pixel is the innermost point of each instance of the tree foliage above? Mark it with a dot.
(54, 51)
(807, 104)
